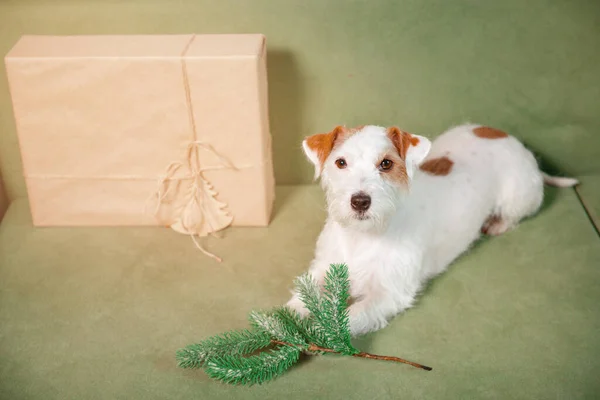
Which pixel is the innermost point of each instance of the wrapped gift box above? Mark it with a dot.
(144, 130)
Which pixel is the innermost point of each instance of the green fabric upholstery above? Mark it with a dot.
(528, 67)
(589, 190)
(97, 313)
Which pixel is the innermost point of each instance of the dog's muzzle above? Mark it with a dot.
(360, 202)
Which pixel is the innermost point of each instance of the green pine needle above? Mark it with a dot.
(309, 293)
(329, 317)
(280, 329)
(233, 343)
(334, 318)
(254, 369)
(307, 327)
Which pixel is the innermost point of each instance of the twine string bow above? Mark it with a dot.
(201, 213)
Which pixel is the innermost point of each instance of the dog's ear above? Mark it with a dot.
(411, 148)
(318, 147)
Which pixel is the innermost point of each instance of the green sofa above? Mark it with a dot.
(97, 313)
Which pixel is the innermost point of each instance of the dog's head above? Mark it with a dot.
(365, 171)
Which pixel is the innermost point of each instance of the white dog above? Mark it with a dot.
(401, 209)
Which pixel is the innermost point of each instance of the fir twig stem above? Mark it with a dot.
(362, 354)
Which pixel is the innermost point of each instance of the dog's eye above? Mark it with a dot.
(341, 163)
(386, 164)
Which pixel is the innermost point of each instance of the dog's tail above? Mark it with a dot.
(559, 181)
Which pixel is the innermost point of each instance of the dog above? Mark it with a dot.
(401, 209)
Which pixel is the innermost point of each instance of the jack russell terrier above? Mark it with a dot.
(401, 209)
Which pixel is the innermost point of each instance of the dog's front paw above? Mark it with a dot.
(362, 322)
(362, 327)
(297, 305)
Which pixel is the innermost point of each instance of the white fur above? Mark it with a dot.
(414, 233)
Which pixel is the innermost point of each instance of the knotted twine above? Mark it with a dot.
(201, 213)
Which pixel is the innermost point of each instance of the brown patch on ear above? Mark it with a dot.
(358, 128)
(485, 132)
(402, 140)
(322, 143)
(437, 166)
(397, 174)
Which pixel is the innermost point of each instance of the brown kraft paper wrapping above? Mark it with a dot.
(115, 128)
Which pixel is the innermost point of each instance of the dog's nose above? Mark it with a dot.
(360, 201)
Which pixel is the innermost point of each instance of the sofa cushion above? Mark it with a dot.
(97, 313)
(529, 68)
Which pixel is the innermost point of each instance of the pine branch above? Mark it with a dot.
(319, 317)
(361, 354)
(254, 369)
(233, 343)
(334, 317)
(309, 293)
(325, 330)
(307, 327)
(277, 328)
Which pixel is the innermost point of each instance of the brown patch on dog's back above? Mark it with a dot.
(485, 132)
(440, 166)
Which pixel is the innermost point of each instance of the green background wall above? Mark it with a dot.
(529, 67)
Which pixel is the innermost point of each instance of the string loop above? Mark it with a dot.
(201, 213)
